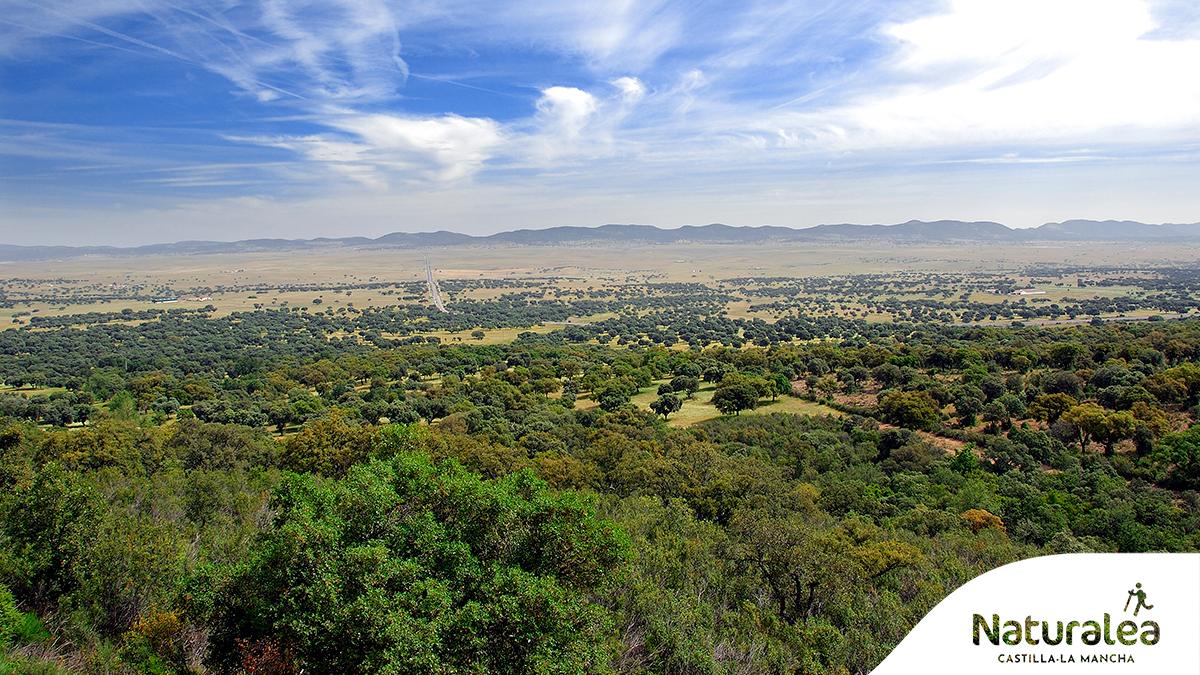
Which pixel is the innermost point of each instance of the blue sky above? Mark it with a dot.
(134, 121)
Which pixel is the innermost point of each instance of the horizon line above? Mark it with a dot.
(578, 227)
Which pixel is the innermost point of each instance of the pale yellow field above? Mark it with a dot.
(599, 263)
(224, 280)
(700, 409)
(31, 391)
(492, 336)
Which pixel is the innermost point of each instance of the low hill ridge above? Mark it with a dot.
(913, 231)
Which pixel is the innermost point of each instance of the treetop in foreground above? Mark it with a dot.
(407, 566)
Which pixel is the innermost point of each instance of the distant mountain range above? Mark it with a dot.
(912, 232)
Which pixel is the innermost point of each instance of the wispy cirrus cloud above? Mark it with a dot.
(332, 49)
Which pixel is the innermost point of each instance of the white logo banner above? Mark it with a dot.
(1085, 612)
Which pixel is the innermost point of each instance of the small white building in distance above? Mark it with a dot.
(1028, 291)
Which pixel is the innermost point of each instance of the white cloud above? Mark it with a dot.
(1023, 72)
(686, 90)
(632, 90)
(563, 114)
(379, 148)
(565, 111)
(451, 147)
(629, 35)
(991, 35)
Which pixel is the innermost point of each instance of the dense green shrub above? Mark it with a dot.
(407, 566)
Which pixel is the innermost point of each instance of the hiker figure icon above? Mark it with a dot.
(1141, 599)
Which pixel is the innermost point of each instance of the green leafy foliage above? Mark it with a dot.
(1180, 453)
(404, 566)
(736, 393)
(912, 409)
(331, 505)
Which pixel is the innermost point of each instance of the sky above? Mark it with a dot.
(138, 121)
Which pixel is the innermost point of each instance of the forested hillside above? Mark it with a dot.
(252, 495)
